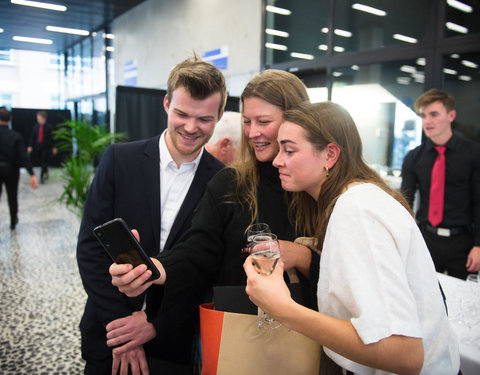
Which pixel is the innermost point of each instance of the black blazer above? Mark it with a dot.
(48, 141)
(127, 185)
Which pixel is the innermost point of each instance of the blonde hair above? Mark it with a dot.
(281, 89)
(326, 123)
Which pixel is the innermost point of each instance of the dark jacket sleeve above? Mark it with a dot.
(409, 178)
(22, 157)
(93, 261)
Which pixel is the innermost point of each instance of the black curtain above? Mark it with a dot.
(23, 120)
(139, 112)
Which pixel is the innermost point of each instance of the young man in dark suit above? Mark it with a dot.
(41, 143)
(13, 155)
(154, 185)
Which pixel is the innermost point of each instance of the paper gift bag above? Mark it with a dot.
(232, 343)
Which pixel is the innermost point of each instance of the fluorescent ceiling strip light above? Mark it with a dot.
(458, 28)
(323, 47)
(367, 9)
(469, 64)
(422, 61)
(67, 30)
(455, 56)
(282, 11)
(450, 71)
(37, 4)
(404, 38)
(465, 78)
(280, 47)
(408, 69)
(283, 34)
(339, 32)
(338, 49)
(31, 40)
(344, 33)
(460, 6)
(108, 36)
(403, 80)
(304, 56)
(337, 74)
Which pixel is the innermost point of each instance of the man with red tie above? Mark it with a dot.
(446, 171)
(41, 143)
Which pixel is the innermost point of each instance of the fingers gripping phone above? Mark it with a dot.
(122, 246)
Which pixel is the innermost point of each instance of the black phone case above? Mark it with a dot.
(122, 246)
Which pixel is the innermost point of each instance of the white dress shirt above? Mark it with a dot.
(174, 185)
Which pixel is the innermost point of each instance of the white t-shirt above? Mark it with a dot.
(376, 271)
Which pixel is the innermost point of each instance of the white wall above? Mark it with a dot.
(158, 34)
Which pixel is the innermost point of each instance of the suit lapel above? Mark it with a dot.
(151, 183)
(195, 192)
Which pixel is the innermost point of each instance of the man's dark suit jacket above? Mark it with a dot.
(48, 141)
(127, 185)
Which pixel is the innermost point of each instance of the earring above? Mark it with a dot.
(327, 171)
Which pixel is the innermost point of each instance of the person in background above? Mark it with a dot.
(446, 171)
(209, 254)
(226, 137)
(41, 143)
(155, 186)
(380, 307)
(13, 155)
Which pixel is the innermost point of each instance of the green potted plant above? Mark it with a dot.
(84, 144)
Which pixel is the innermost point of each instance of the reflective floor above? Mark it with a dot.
(42, 297)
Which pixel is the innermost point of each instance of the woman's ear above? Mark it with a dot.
(333, 153)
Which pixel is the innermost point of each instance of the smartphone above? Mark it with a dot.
(122, 246)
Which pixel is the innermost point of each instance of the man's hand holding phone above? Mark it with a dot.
(133, 281)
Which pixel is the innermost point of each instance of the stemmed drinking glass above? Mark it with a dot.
(265, 251)
(252, 231)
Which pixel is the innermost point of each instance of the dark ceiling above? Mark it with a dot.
(26, 21)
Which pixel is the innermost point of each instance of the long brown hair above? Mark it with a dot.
(281, 89)
(326, 123)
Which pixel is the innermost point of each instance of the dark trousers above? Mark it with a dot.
(449, 253)
(10, 176)
(43, 155)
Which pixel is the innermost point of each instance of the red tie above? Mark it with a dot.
(437, 188)
(40, 134)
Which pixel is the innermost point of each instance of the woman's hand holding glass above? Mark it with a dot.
(269, 293)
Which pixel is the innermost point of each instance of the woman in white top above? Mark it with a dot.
(380, 307)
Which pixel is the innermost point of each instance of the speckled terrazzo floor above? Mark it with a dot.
(42, 298)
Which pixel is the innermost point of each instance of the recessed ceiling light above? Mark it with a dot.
(323, 47)
(458, 28)
(31, 40)
(470, 64)
(355, 67)
(465, 78)
(403, 80)
(422, 61)
(283, 34)
(304, 56)
(367, 9)
(282, 11)
(38, 4)
(279, 47)
(1, 30)
(67, 30)
(108, 36)
(450, 71)
(455, 56)
(408, 69)
(404, 38)
(338, 49)
(460, 6)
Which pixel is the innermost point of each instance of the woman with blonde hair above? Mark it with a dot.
(380, 307)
